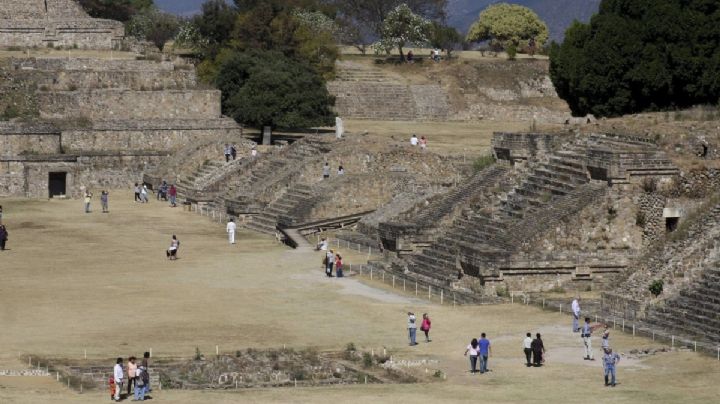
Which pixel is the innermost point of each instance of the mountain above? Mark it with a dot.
(558, 14)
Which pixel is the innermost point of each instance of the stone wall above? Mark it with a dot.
(523, 146)
(122, 104)
(19, 139)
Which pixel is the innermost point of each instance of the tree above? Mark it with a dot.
(120, 10)
(370, 15)
(637, 55)
(402, 27)
(154, 26)
(445, 37)
(266, 88)
(215, 22)
(504, 24)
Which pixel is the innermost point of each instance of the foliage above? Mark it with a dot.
(154, 26)
(120, 10)
(402, 27)
(508, 24)
(640, 55)
(198, 354)
(640, 219)
(656, 287)
(215, 23)
(266, 88)
(483, 162)
(189, 37)
(511, 51)
(315, 37)
(368, 360)
(445, 37)
(368, 16)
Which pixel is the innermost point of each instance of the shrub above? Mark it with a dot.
(198, 354)
(640, 219)
(367, 360)
(483, 162)
(511, 52)
(656, 287)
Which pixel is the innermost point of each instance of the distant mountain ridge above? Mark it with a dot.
(558, 14)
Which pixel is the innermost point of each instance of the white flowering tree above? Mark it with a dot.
(403, 27)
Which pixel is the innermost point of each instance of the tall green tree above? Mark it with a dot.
(639, 55)
(153, 25)
(506, 24)
(445, 37)
(403, 27)
(266, 88)
(370, 15)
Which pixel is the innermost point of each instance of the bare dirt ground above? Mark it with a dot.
(100, 282)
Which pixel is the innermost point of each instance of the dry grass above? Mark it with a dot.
(101, 282)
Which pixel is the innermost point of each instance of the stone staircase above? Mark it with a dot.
(267, 221)
(187, 186)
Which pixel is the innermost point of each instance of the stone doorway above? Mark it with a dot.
(671, 224)
(57, 184)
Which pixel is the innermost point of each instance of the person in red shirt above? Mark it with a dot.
(425, 327)
(173, 195)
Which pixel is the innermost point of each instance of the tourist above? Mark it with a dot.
(483, 352)
(410, 57)
(414, 140)
(111, 385)
(423, 143)
(341, 170)
(233, 152)
(253, 152)
(230, 229)
(144, 194)
(472, 349)
(228, 152)
(606, 338)
(3, 237)
(527, 349)
(338, 266)
(326, 171)
(412, 328)
(104, 197)
(162, 192)
(88, 198)
(173, 195)
(587, 339)
(140, 380)
(610, 360)
(425, 326)
(329, 262)
(0, 214)
(322, 245)
(538, 349)
(132, 373)
(146, 365)
(118, 375)
(137, 192)
(576, 314)
(172, 250)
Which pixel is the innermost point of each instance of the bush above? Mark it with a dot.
(483, 162)
(198, 354)
(511, 52)
(367, 360)
(640, 219)
(656, 287)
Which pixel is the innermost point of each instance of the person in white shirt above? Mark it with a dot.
(253, 152)
(231, 226)
(414, 140)
(527, 348)
(576, 314)
(118, 375)
(472, 349)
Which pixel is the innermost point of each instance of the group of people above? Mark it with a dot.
(422, 142)
(434, 56)
(326, 170)
(479, 351)
(332, 260)
(412, 327)
(534, 350)
(610, 359)
(230, 152)
(166, 192)
(104, 201)
(138, 376)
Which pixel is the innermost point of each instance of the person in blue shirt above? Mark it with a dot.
(610, 360)
(483, 352)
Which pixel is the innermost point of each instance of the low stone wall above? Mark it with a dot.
(522, 146)
(21, 138)
(81, 33)
(124, 104)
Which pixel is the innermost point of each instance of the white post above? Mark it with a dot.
(560, 305)
(85, 353)
(623, 325)
(295, 382)
(151, 352)
(633, 330)
(57, 376)
(512, 298)
(393, 281)
(371, 273)
(543, 303)
(217, 350)
(416, 289)
(596, 318)
(673, 342)
(403, 284)
(441, 296)
(695, 346)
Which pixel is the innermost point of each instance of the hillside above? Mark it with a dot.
(558, 14)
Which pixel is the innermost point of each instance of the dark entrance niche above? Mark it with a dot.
(671, 224)
(597, 173)
(502, 153)
(57, 184)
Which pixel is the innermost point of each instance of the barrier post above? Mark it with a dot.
(441, 296)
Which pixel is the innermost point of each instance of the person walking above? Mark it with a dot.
(610, 360)
(88, 198)
(228, 152)
(230, 229)
(326, 171)
(538, 350)
(119, 377)
(587, 340)
(140, 384)
(172, 250)
(576, 314)
(412, 328)
(423, 143)
(137, 192)
(104, 199)
(233, 152)
(483, 352)
(414, 140)
(3, 236)
(0, 214)
(144, 194)
(472, 350)
(329, 263)
(339, 266)
(146, 366)
(527, 349)
(425, 326)
(173, 195)
(131, 372)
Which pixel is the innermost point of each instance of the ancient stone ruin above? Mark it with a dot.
(55, 23)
